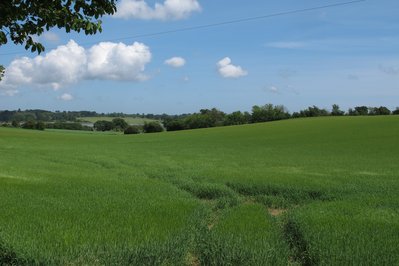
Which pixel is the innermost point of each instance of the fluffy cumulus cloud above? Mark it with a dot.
(175, 62)
(117, 61)
(168, 10)
(228, 70)
(72, 63)
(66, 97)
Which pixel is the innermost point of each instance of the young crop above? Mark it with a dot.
(319, 191)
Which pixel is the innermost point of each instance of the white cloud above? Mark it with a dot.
(228, 70)
(273, 89)
(72, 63)
(175, 62)
(168, 10)
(64, 65)
(66, 97)
(117, 61)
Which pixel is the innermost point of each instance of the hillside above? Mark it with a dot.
(317, 191)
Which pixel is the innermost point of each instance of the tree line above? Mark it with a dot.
(41, 119)
(70, 116)
(268, 112)
(119, 124)
(44, 116)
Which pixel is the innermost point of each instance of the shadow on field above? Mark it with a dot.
(9, 257)
(297, 243)
(279, 196)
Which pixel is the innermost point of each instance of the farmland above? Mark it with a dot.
(317, 191)
(129, 120)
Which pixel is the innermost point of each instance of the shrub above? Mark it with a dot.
(152, 127)
(131, 130)
(15, 123)
(29, 125)
(103, 125)
(174, 125)
(120, 124)
(40, 125)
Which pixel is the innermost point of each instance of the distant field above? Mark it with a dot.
(129, 120)
(317, 191)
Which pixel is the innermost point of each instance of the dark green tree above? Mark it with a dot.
(120, 124)
(132, 130)
(197, 120)
(103, 125)
(1, 72)
(21, 19)
(235, 118)
(213, 117)
(313, 111)
(382, 110)
(29, 125)
(361, 110)
(40, 125)
(174, 124)
(14, 123)
(152, 127)
(269, 112)
(336, 111)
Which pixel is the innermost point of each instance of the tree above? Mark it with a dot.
(152, 127)
(396, 111)
(213, 117)
(361, 110)
(382, 110)
(131, 130)
(21, 19)
(269, 112)
(174, 124)
(120, 124)
(14, 123)
(235, 118)
(312, 111)
(336, 111)
(40, 125)
(197, 120)
(29, 125)
(103, 125)
(1, 72)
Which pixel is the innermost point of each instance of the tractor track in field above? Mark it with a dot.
(211, 199)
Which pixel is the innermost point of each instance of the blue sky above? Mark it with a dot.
(348, 55)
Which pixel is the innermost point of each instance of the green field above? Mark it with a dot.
(129, 120)
(317, 191)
